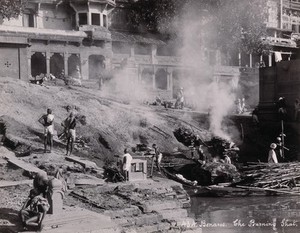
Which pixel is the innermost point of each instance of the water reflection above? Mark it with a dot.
(247, 214)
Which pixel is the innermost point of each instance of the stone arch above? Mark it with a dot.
(147, 77)
(38, 64)
(73, 62)
(161, 79)
(96, 66)
(56, 64)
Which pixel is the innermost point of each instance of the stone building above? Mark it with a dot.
(59, 36)
(283, 25)
(56, 37)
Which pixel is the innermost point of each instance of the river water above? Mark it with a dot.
(263, 214)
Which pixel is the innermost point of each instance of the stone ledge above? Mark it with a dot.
(150, 206)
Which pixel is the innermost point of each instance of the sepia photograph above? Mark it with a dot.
(150, 116)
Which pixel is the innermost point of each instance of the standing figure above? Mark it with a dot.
(281, 105)
(193, 150)
(34, 210)
(158, 156)
(255, 119)
(227, 159)
(272, 158)
(243, 105)
(238, 106)
(180, 99)
(70, 124)
(296, 109)
(281, 147)
(126, 164)
(47, 121)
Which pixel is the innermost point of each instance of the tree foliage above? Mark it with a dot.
(11, 8)
(241, 24)
(226, 24)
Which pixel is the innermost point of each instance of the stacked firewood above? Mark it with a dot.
(272, 176)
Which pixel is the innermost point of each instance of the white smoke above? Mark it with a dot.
(203, 89)
(222, 101)
(126, 87)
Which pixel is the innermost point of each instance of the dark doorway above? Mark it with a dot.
(56, 64)
(146, 78)
(73, 62)
(161, 79)
(38, 64)
(96, 66)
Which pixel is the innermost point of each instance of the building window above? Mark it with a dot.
(82, 18)
(105, 21)
(95, 19)
(28, 20)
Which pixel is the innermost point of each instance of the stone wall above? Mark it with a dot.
(13, 62)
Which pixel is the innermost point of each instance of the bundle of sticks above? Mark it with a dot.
(272, 176)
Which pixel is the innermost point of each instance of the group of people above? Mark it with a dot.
(69, 125)
(37, 205)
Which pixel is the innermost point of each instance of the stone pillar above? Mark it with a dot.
(84, 67)
(29, 64)
(250, 59)
(89, 18)
(270, 60)
(77, 19)
(171, 83)
(66, 67)
(56, 196)
(48, 56)
(168, 81)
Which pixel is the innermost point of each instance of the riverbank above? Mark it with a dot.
(151, 205)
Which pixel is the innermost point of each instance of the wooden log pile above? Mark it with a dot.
(285, 176)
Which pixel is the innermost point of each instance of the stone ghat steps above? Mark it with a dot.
(157, 205)
(159, 227)
(79, 220)
(141, 220)
(126, 212)
(152, 216)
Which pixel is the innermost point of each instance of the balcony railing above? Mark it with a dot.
(281, 41)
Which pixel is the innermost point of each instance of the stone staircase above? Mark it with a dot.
(167, 214)
(133, 220)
